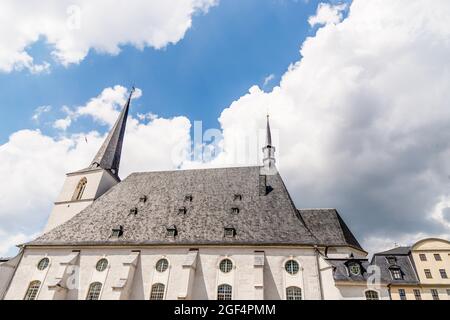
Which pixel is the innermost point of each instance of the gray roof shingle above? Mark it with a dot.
(402, 260)
(341, 273)
(262, 219)
(328, 227)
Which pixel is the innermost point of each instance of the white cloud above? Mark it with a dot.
(62, 124)
(73, 27)
(267, 79)
(363, 119)
(39, 111)
(34, 165)
(327, 13)
(103, 109)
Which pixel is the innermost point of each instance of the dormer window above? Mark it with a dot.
(188, 198)
(117, 232)
(391, 260)
(229, 232)
(235, 210)
(238, 197)
(134, 211)
(354, 269)
(143, 199)
(182, 211)
(171, 232)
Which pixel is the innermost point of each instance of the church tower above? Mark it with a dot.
(82, 187)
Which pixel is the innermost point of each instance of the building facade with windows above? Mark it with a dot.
(419, 272)
(225, 233)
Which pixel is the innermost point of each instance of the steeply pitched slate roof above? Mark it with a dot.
(262, 219)
(403, 261)
(109, 154)
(328, 227)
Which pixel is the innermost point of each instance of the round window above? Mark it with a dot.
(162, 265)
(43, 263)
(355, 269)
(226, 265)
(292, 267)
(102, 264)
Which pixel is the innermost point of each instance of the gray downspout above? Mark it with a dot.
(317, 252)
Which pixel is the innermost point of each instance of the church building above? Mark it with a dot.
(224, 233)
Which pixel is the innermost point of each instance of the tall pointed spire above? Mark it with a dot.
(268, 134)
(108, 157)
(269, 151)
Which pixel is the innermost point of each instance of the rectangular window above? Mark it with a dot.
(435, 294)
(402, 294)
(423, 257)
(448, 292)
(428, 274)
(396, 274)
(437, 257)
(443, 273)
(417, 294)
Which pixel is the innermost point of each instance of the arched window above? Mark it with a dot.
(224, 292)
(94, 291)
(372, 295)
(78, 194)
(157, 292)
(32, 290)
(293, 293)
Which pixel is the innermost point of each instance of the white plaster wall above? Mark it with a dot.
(206, 279)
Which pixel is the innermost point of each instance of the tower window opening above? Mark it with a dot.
(79, 191)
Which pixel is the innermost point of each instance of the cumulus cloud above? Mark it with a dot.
(73, 27)
(363, 120)
(327, 13)
(34, 165)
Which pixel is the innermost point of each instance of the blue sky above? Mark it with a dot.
(351, 129)
(234, 46)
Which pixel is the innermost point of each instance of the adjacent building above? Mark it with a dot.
(419, 272)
